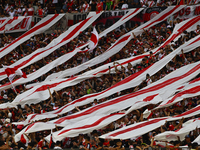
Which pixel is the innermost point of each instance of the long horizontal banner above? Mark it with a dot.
(127, 83)
(147, 126)
(126, 100)
(187, 91)
(135, 79)
(157, 19)
(80, 119)
(181, 133)
(188, 12)
(15, 24)
(40, 27)
(63, 39)
(67, 56)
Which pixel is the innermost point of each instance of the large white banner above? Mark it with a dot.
(147, 126)
(154, 93)
(157, 19)
(65, 57)
(15, 24)
(63, 39)
(187, 12)
(40, 27)
(93, 116)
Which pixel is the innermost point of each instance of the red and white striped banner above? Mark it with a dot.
(96, 113)
(181, 133)
(40, 92)
(159, 18)
(15, 24)
(147, 95)
(40, 27)
(147, 126)
(187, 91)
(96, 122)
(63, 39)
(29, 59)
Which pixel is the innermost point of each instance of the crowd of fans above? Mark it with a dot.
(43, 7)
(140, 44)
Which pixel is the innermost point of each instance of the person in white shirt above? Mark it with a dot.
(18, 11)
(85, 7)
(125, 6)
(148, 79)
(151, 3)
(11, 13)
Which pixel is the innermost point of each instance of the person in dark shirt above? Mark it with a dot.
(93, 6)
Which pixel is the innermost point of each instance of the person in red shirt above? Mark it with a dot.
(40, 11)
(30, 10)
(99, 6)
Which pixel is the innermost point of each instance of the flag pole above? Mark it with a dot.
(13, 87)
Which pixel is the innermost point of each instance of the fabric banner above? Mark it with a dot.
(130, 14)
(44, 24)
(86, 126)
(188, 12)
(147, 126)
(68, 55)
(117, 104)
(127, 83)
(147, 94)
(15, 24)
(187, 91)
(181, 133)
(36, 92)
(96, 122)
(151, 12)
(63, 39)
(113, 50)
(109, 18)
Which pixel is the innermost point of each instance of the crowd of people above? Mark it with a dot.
(140, 44)
(43, 7)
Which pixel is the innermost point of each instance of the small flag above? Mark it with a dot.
(93, 40)
(51, 140)
(12, 72)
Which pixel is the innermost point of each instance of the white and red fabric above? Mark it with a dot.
(143, 97)
(40, 27)
(10, 22)
(63, 39)
(135, 129)
(187, 91)
(160, 17)
(96, 122)
(39, 93)
(93, 40)
(181, 133)
(63, 58)
(147, 126)
(12, 72)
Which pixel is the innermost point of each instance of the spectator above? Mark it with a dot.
(30, 10)
(93, 6)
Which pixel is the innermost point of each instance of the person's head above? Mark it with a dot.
(187, 138)
(119, 143)
(58, 143)
(147, 76)
(87, 139)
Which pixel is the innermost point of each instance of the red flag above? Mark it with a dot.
(23, 140)
(51, 141)
(12, 72)
(93, 40)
